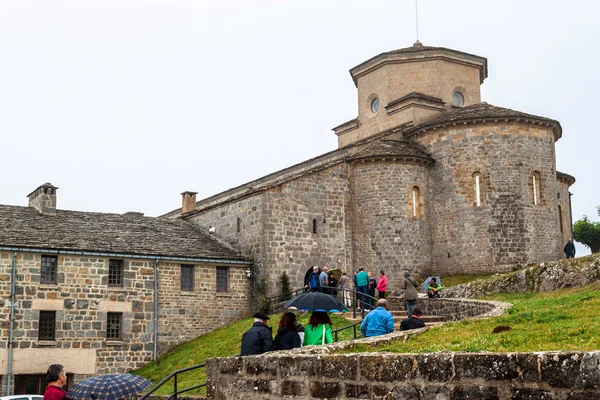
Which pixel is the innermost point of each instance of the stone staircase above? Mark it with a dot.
(399, 315)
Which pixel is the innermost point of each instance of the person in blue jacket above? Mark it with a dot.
(313, 280)
(378, 322)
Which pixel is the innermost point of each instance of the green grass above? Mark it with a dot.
(223, 342)
(566, 319)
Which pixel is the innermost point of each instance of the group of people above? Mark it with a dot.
(363, 282)
(290, 334)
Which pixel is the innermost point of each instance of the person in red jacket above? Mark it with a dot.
(382, 285)
(56, 380)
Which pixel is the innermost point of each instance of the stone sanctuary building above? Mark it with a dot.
(427, 178)
(89, 290)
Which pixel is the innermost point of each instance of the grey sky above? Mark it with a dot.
(124, 104)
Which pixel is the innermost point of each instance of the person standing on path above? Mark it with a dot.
(362, 287)
(410, 292)
(344, 286)
(323, 281)
(570, 249)
(313, 280)
(372, 287)
(382, 285)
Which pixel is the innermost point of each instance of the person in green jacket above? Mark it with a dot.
(434, 289)
(319, 324)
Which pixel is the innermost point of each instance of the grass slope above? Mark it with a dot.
(223, 342)
(566, 319)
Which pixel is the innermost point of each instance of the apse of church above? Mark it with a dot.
(427, 178)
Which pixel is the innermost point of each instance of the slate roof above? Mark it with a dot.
(393, 148)
(481, 111)
(109, 233)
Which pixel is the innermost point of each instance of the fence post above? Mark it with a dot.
(175, 387)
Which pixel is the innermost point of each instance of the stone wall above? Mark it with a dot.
(385, 234)
(452, 309)
(81, 299)
(185, 315)
(507, 229)
(542, 277)
(515, 376)
(278, 225)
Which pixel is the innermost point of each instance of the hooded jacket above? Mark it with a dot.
(287, 339)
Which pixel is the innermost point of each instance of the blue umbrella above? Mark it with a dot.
(316, 301)
(108, 387)
(424, 284)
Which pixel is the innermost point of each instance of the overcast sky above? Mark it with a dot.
(124, 104)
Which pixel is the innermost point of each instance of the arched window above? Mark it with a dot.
(415, 201)
(560, 219)
(477, 188)
(537, 188)
(315, 225)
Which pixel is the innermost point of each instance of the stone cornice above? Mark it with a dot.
(565, 178)
(419, 53)
(346, 127)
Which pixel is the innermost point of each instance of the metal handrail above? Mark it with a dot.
(174, 375)
(273, 300)
(355, 299)
(356, 336)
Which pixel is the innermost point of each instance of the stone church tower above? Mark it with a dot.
(427, 178)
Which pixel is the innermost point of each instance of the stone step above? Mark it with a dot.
(398, 316)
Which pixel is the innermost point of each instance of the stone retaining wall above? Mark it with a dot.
(453, 309)
(547, 375)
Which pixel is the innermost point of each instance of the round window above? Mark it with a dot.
(375, 105)
(459, 99)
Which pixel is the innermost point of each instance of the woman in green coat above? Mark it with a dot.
(318, 330)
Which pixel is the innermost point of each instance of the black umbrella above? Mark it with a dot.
(316, 301)
(108, 387)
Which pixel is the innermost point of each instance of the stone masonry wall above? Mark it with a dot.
(507, 229)
(184, 315)
(564, 215)
(277, 228)
(290, 244)
(385, 235)
(224, 219)
(82, 298)
(440, 376)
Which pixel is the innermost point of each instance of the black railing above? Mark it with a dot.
(276, 303)
(359, 301)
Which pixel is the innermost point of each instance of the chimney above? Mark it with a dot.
(188, 201)
(43, 198)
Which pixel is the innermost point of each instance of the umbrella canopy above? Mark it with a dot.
(316, 301)
(424, 284)
(108, 387)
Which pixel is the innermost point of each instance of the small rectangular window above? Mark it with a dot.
(187, 278)
(222, 279)
(115, 272)
(47, 325)
(114, 325)
(48, 271)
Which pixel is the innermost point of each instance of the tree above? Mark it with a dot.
(285, 287)
(588, 232)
